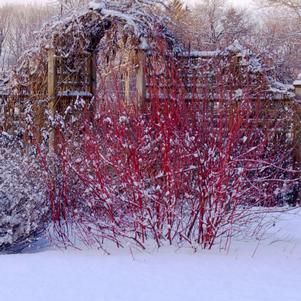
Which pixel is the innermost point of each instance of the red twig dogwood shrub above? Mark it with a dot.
(180, 171)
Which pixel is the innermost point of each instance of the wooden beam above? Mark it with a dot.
(297, 139)
(92, 70)
(52, 82)
(127, 92)
(140, 78)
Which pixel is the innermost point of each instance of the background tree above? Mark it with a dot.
(180, 20)
(208, 16)
(4, 26)
(216, 24)
(18, 24)
(177, 10)
(293, 5)
(278, 37)
(65, 5)
(236, 25)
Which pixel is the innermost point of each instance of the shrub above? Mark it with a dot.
(189, 166)
(174, 175)
(23, 198)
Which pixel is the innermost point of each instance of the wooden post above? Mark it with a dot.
(297, 85)
(92, 85)
(127, 92)
(296, 132)
(297, 127)
(52, 81)
(297, 138)
(140, 81)
(92, 65)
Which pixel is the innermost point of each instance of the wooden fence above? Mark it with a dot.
(66, 82)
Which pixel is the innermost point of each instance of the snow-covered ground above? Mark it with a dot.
(268, 269)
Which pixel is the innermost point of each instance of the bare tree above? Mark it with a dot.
(236, 25)
(212, 13)
(217, 25)
(4, 25)
(17, 26)
(278, 38)
(66, 5)
(293, 5)
(177, 9)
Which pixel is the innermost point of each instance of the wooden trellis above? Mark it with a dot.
(66, 82)
(195, 87)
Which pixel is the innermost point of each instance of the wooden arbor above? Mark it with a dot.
(66, 83)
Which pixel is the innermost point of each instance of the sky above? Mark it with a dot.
(244, 3)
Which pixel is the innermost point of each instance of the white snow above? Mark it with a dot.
(74, 94)
(297, 82)
(97, 5)
(263, 270)
(200, 54)
(238, 93)
(235, 47)
(281, 90)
